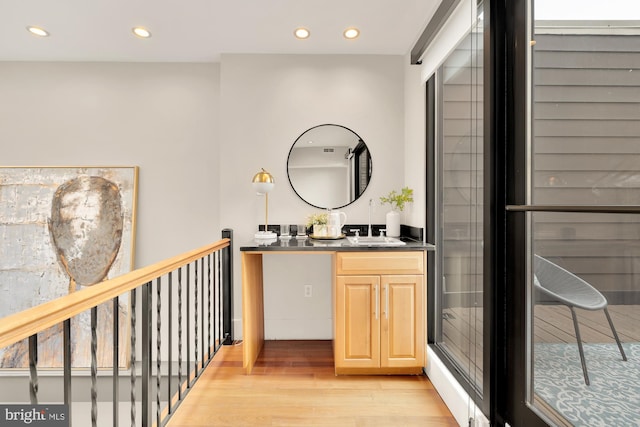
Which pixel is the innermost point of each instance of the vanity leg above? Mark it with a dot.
(252, 309)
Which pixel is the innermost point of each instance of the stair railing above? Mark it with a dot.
(190, 320)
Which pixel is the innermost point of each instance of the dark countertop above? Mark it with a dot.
(307, 244)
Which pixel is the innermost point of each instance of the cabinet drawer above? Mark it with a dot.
(380, 262)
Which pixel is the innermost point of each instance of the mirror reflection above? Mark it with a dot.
(329, 166)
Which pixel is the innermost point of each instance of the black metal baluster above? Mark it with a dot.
(94, 367)
(203, 312)
(66, 354)
(132, 362)
(188, 326)
(196, 320)
(214, 318)
(169, 341)
(208, 306)
(146, 353)
(180, 333)
(227, 287)
(221, 298)
(116, 361)
(158, 345)
(218, 299)
(33, 371)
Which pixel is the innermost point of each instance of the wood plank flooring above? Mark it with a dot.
(293, 384)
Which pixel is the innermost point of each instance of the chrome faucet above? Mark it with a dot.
(370, 230)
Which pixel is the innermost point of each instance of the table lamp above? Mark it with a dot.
(263, 183)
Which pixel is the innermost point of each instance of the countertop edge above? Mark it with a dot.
(342, 245)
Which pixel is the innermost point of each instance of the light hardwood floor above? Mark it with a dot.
(293, 384)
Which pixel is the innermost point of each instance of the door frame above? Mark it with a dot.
(507, 138)
(505, 267)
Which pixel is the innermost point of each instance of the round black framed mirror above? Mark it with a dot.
(329, 166)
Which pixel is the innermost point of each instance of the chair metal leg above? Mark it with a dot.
(579, 339)
(615, 334)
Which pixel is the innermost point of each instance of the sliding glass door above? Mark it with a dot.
(585, 152)
(574, 224)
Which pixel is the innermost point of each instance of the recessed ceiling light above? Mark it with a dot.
(301, 33)
(37, 31)
(351, 33)
(141, 32)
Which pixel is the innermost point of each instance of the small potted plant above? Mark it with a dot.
(318, 223)
(397, 200)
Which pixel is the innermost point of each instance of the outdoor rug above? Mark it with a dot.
(612, 399)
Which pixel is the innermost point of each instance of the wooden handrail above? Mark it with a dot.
(19, 326)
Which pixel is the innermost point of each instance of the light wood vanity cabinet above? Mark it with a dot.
(379, 312)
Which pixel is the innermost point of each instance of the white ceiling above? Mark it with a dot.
(201, 30)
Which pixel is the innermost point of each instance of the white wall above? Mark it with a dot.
(267, 102)
(195, 173)
(161, 117)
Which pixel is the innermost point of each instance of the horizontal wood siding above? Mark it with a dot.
(586, 150)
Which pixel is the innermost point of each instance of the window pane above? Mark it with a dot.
(461, 177)
(585, 151)
(589, 262)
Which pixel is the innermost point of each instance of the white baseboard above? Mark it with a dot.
(462, 407)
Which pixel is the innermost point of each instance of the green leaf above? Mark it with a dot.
(398, 200)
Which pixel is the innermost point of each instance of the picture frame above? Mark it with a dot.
(63, 228)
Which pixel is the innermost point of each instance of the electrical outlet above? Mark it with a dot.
(308, 291)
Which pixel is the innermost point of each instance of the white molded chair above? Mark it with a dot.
(567, 288)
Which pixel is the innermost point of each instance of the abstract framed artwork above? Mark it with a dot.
(63, 229)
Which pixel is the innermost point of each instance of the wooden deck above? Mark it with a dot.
(293, 384)
(462, 329)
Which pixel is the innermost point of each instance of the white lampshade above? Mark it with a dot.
(263, 187)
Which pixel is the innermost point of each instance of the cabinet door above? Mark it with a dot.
(402, 321)
(357, 333)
